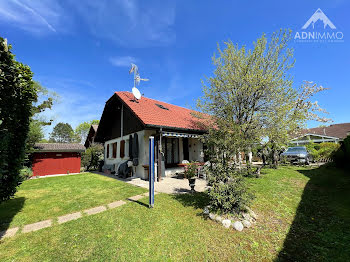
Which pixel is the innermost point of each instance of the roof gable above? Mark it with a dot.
(156, 113)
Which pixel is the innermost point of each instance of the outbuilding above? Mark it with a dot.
(56, 158)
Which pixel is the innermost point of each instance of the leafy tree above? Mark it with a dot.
(82, 130)
(45, 101)
(17, 94)
(91, 157)
(250, 97)
(63, 133)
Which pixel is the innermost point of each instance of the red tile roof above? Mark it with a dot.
(337, 130)
(149, 111)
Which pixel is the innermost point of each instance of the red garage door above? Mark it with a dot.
(56, 163)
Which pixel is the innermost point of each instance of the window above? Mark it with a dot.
(122, 148)
(115, 150)
(107, 154)
(171, 146)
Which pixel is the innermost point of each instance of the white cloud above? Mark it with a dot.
(122, 61)
(79, 101)
(130, 23)
(31, 15)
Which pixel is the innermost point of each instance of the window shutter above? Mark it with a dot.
(114, 150)
(122, 148)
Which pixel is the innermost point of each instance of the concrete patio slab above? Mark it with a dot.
(9, 232)
(69, 217)
(37, 226)
(116, 204)
(171, 185)
(168, 185)
(95, 210)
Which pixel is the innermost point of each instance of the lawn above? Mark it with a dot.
(44, 198)
(304, 215)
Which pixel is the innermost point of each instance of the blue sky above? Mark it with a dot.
(82, 49)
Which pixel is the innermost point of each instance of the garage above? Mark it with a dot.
(56, 158)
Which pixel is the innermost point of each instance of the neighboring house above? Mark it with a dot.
(56, 158)
(91, 136)
(333, 133)
(175, 129)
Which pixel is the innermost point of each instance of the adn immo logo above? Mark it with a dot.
(312, 31)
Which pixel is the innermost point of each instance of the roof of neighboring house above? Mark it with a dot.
(58, 147)
(337, 130)
(91, 135)
(156, 113)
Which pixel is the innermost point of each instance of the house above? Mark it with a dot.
(56, 158)
(333, 133)
(91, 136)
(176, 130)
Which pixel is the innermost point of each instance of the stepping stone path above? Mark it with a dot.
(116, 204)
(69, 217)
(36, 226)
(9, 232)
(95, 210)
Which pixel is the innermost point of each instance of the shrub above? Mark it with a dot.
(25, 173)
(91, 157)
(322, 151)
(229, 192)
(342, 156)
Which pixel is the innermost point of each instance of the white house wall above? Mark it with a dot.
(195, 151)
(143, 151)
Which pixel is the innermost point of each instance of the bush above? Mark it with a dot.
(91, 157)
(229, 192)
(342, 156)
(322, 151)
(25, 173)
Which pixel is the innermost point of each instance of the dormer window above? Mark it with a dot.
(162, 107)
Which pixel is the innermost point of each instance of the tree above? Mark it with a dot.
(91, 157)
(82, 130)
(44, 101)
(63, 133)
(250, 97)
(17, 94)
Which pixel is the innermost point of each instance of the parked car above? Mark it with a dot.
(298, 154)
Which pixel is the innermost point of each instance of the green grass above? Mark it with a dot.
(44, 198)
(304, 215)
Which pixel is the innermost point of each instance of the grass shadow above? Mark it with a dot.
(138, 202)
(196, 199)
(8, 211)
(320, 230)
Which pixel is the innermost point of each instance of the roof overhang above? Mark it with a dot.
(322, 138)
(59, 151)
(184, 135)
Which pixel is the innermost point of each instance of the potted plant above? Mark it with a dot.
(190, 173)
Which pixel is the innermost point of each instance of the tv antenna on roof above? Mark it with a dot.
(134, 69)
